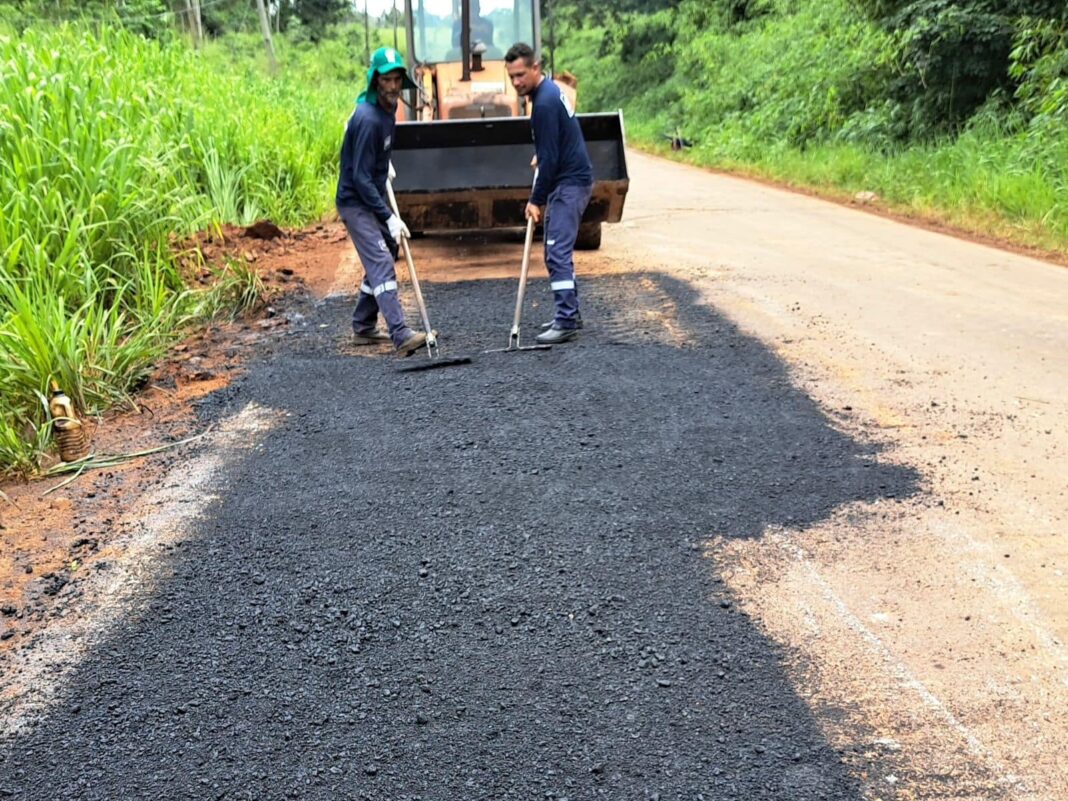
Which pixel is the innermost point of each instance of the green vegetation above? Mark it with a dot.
(118, 138)
(110, 145)
(957, 110)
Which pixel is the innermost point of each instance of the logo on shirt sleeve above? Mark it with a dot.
(567, 105)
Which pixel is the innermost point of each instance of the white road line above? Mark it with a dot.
(895, 666)
(33, 679)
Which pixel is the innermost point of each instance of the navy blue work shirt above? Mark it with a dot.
(558, 143)
(365, 154)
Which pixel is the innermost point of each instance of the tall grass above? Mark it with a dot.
(109, 144)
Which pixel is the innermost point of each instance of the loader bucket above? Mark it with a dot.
(475, 173)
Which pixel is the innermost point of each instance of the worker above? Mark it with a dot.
(364, 208)
(481, 28)
(563, 184)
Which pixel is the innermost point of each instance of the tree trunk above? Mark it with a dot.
(187, 21)
(265, 26)
(198, 24)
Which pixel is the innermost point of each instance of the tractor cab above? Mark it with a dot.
(458, 47)
(462, 147)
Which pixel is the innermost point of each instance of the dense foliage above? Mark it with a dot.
(110, 143)
(116, 136)
(901, 70)
(311, 19)
(953, 55)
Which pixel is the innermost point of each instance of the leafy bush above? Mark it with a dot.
(109, 144)
(1039, 63)
(794, 76)
(956, 54)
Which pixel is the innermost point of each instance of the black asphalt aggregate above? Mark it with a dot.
(483, 582)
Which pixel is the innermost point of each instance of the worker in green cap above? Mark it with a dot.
(364, 208)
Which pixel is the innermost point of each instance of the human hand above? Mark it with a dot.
(533, 212)
(397, 228)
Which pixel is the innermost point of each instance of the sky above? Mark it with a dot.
(376, 7)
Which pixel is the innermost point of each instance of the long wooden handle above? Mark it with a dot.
(411, 269)
(523, 270)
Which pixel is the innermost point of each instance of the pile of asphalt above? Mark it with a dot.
(485, 582)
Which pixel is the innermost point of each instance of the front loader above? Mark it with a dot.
(462, 146)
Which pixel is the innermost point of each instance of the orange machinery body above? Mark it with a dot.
(488, 93)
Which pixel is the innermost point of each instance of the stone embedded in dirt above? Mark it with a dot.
(264, 229)
(53, 583)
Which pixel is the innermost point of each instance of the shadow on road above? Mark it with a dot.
(477, 583)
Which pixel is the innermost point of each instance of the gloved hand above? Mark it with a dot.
(397, 228)
(392, 172)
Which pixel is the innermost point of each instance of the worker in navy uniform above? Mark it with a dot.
(362, 203)
(481, 28)
(562, 186)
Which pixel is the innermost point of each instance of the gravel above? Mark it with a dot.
(484, 582)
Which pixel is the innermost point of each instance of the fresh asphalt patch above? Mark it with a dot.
(481, 583)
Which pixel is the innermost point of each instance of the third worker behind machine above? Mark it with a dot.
(562, 186)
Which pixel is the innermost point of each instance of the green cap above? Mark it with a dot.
(383, 60)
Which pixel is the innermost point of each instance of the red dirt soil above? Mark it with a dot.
(48, 541)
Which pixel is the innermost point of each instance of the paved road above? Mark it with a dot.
(941, 620)
(487, 582)
(787, 523)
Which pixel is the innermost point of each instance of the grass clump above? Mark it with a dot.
(110, 145)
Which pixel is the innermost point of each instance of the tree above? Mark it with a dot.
(954, 54)
(597, 12)
(317, 15)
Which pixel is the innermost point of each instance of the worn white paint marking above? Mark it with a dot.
(33, 679)
(893, 665)
(346, 281)
(1009, 589)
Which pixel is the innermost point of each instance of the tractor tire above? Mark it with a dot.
(589, 237)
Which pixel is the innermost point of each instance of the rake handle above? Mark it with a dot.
(431, 340)
(523, 270)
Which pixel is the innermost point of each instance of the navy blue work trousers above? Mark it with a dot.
(378, 291)
(563, 214)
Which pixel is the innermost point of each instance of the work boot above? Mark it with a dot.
(372, 337)
(548, 325)
(554, 335)
(411, 344)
